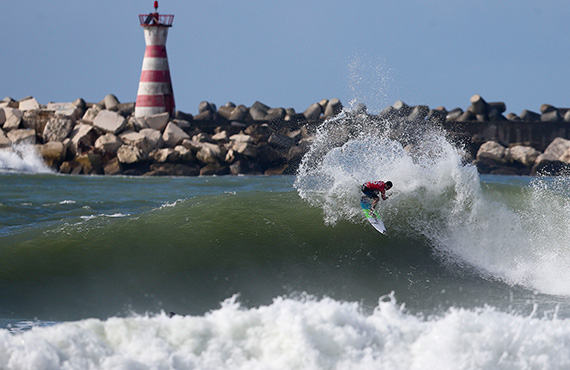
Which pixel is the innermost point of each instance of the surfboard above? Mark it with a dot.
(372, 215)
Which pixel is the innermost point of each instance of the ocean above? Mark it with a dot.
(284, 272)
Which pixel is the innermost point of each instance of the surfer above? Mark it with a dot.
(371, 189)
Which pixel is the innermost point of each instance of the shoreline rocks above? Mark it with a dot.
(106, 139)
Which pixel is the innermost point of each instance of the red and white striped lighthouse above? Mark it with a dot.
(155, 93)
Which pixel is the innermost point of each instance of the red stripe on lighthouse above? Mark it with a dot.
(155, 51)
(151, 101)
(155, 76)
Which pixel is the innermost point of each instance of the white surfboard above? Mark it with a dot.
(372, 215)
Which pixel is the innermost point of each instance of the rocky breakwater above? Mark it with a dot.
(105, 137)
(529, 143)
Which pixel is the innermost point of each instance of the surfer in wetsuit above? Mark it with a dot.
(371, 189)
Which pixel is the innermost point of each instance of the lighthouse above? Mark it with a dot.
(155, 93)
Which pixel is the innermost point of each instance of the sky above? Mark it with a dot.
(294, 53)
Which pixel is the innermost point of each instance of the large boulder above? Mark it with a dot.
(157, 121)
(29, 104)
(491, 150)
(280, 141)
(136, 139)
(58, 128)
(333, 107)
(13, 118)
(173, 169)
(241, 138)
(91, 113)
(166, 155)
(81, 138)
(91, 162)
(313, 112)
(258, 111)
(111, 122)
(557, 147)
(128, 154)
(478, 105)
(65, 109)
(108, 143)
(111, 102)
(525, 155)
(22, 137)
(173, 135)
(210, 153)
(53, 153)
(153, 137)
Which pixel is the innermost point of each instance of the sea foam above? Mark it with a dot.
(22, 158)
(296, 334)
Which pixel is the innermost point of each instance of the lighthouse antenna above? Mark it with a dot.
(156, 6)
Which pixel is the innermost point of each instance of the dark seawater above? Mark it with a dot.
(285, 272)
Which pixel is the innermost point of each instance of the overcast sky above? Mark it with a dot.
(294, 53)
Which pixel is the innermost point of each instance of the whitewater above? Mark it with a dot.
(284, 272)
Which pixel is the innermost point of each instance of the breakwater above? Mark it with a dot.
(106, 138)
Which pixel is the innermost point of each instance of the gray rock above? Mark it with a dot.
(525, 155)
(207, 106)
(242, 138)
(53, 153)
(493, 151)
(108, 143)
(244, 148)
(333, 108)
(478, 105)
(258, 111)
(91, 113)
(81, 138)
(13, 118)
(173, 135)
(111, 102)
(129, 154)
(529, 116)
(567, 116)
(157, 121)
(280, 141)
(137, 139)
(209, 153)
(275, 114)
(499, 106)
(402, 108)
(495, 115)
(184, 154)
(313, 112)
(466, 116)
(166, 155)
(22, 136)
(29, 104)
(111, 122)
(153, 137)
(551, 116)
(454, 114)
(58, 128)
(225, 111)
(239, 113)
(557, 147)
(418, 113)
(113, 167)
(65, 109)
(546, 108)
